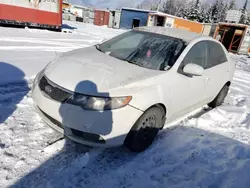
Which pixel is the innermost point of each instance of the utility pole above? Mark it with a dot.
(243, 11)
(244, 8)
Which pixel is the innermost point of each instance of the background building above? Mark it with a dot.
(78, 13)
(131, 18)
(166, 20)
(114, 19)
(209, 29)
(101, 17)
(235, 37)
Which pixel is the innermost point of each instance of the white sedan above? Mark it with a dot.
(124, 90)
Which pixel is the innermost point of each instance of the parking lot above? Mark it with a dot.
(211, 144)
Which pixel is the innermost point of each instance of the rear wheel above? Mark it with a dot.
(218, 101)
(145, 129)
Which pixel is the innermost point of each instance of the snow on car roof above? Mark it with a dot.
(185, 35)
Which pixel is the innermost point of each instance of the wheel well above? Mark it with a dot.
(159, 105)
(162, 106)
(228, 83)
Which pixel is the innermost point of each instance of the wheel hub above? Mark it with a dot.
(148, 125)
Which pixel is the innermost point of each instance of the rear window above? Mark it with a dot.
(148, 50)
(216, 54)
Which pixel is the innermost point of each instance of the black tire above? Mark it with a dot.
(219, 99)
(145, 130)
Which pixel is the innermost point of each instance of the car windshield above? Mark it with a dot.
(149, 50)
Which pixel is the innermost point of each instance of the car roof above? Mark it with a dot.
(185, 35)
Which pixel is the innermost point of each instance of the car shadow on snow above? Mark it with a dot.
(180, 157)
(13, 88)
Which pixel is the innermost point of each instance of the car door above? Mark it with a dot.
(217, 70)
(189, 92)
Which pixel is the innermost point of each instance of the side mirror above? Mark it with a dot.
(193, 69)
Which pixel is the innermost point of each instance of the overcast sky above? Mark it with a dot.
(128, 3)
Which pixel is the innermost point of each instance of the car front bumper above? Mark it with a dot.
(93, 128)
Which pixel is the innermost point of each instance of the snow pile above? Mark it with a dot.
(209, 149)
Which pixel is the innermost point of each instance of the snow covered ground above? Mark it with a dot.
(210, 149)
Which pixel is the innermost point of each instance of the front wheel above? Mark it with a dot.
(145, 129)
(218, 101)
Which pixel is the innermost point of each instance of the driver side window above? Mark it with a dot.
(196, 55)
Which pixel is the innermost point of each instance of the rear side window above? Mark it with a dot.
(196, 55)
(216, 54)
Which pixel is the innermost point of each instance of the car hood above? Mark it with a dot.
(92, 72)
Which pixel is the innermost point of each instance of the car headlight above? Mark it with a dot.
(99, 103)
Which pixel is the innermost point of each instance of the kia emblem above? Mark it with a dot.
(48, 89)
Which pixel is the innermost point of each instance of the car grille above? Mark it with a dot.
(53, 91)
(90, 137)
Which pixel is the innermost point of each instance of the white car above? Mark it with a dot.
(123, 90)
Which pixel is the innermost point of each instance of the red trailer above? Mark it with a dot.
(37, 13)
(101, 17)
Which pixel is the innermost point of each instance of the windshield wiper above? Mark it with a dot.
(131, 62)
(98, 48)
(126, 60)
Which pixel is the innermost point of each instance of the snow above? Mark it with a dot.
(23, 47)
(210, 148)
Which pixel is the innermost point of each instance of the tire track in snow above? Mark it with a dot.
(46, 41)
(59, 45)
(13, 84)
(242, 85)
(9, 90)
(242, 80)
(40, 48)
